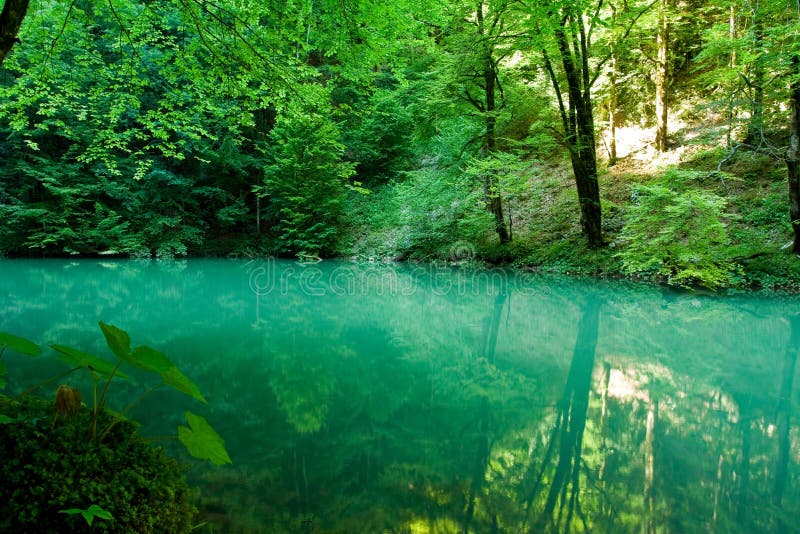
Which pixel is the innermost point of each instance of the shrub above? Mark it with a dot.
(680, 236)
(305, 184)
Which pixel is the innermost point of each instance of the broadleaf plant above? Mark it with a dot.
(89, 514)
(202, 441)
(200, 438)
(17, 344)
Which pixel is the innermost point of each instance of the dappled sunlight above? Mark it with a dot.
(635, 149)
(630, 381)
(625, 386)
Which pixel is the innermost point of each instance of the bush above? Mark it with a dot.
(678, 236)
(305, 184)
(441, 209)
(51, 467)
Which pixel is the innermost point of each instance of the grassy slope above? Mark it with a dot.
(546, 220)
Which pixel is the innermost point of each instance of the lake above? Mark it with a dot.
(433, 399)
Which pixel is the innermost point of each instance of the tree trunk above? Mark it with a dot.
(793, 155)
(584, 166)
(579, 125)
(648, 525)
(11, 18)
(732, 34)
(662, 76)
(756, 125)
(612, 112)
(612, 99)
(784, 411)
(493, 201)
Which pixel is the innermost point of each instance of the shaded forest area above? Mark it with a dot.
(652, 139)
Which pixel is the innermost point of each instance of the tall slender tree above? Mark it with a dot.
(563, 34)
(662, 75)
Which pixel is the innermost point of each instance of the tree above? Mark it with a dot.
(477, 45)
(662, 75)
(11, 18)
(564, 31)
(793, 153)
(768, 63)
(304, 182)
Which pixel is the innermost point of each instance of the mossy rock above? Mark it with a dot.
(51, 467)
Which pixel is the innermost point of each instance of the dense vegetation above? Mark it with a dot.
(651, 138)
(87, 459)
(54, 467)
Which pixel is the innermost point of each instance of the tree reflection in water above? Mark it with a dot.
(453, 411)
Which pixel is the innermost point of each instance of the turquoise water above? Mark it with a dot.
(411, 399)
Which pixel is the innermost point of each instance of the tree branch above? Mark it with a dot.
(624, 36)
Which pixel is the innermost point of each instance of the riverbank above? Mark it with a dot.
(681, 218)
(669, 218)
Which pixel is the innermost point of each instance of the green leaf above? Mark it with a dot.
(79, 358)
(149, 360)
(118, 340)
(202, 441)
(155, 361)
(19, 344)
(89, 513)
(174, 378)
(98, 511)
(4, 420)
(71, 511)
(3, 373)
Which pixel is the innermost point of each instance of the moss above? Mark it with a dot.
(51, 467)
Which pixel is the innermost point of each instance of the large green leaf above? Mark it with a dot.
(4, 420)
(156, 362)
(78, 358)
(3, 373)
(118, 341)
(149, 360)
(19, 344)
(174, 378)
(202, 441)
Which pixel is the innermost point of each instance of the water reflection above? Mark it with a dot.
(560, 473)
(413, 399)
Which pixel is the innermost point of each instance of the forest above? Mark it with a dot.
(651, 139)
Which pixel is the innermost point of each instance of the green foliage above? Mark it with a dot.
(50, 468)
(769, 210)
(89, 514)
(378, 134)
(78, 358)
(304, 183)
(142, 357)
(507, 172)
(679, 236)
(202, 441)
(108, 451)
(16, 344)
(451, 212)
